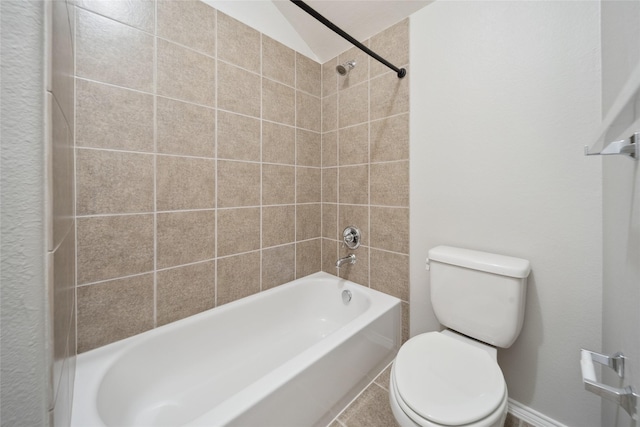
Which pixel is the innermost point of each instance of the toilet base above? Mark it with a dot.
(495, 419)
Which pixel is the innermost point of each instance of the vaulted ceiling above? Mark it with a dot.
(287, 23)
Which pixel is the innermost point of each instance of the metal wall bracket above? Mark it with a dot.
(627, 147)
(625, 397)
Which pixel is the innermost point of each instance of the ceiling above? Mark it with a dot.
(290, 25)
(361, 19)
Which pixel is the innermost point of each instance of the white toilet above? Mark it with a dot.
(452, 378)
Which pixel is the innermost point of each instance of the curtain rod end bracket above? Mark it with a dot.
(402, 73)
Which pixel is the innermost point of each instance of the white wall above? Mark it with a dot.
(503, 97)
(621, 210)
(24, 390)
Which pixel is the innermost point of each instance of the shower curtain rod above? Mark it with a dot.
(302, 5)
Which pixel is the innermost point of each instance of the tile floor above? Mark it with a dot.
(371, 408)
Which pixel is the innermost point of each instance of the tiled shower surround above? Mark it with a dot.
(213, 162)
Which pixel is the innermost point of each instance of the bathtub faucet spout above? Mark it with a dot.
(349, 259)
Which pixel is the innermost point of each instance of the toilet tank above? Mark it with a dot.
(479, 294)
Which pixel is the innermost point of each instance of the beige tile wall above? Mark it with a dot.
(198, 164)
(365, 164)
(213, 163)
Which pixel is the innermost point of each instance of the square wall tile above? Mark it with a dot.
(278, 266)
(308, 221)
(389, 96)
(330, 221)
(393, 45)
(329, 256)
(238, 43)
(185, 183)
(278, 143)
(238, 137)
(308, 148)
(308, 186)
(238, 90)
(278, 102)
(353, 145)
(114, 246)
(308, 75)
(185, 129)
(185, 291)
(329, 77)
(114, 310)
(330, 185)
(353, 105)
(308, 257)
(185, 237)
(186, 75)
(238, 184)
(390, 229)
(390, 184)
(238, 230)
(308, 112)
(139, 14)
(237, 277)
(278, 225)
(329, 149)
(278, 184)
(111, 52)
(390, 139)
(353, 185)
(111, 117)
(330, 113)
(188, 22)
(278, 61)
(113, 182)
(390, 273)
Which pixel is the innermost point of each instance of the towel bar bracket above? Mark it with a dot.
(627, 147)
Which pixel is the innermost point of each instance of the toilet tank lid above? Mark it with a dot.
(482, 261)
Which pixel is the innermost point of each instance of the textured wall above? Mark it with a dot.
(365, 164)
(504, 96)
(198, 164)
(24, 390)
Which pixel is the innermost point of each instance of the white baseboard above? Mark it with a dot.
(531, 416)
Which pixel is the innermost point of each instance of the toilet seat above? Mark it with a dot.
(440, 380)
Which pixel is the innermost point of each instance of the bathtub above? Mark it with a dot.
(294, 355)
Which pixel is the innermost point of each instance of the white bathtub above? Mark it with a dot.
(294, 355)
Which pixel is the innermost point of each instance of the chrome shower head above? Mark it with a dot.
(343, 69)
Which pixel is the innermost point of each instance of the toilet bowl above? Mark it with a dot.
(452, 378)
(445, 379)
